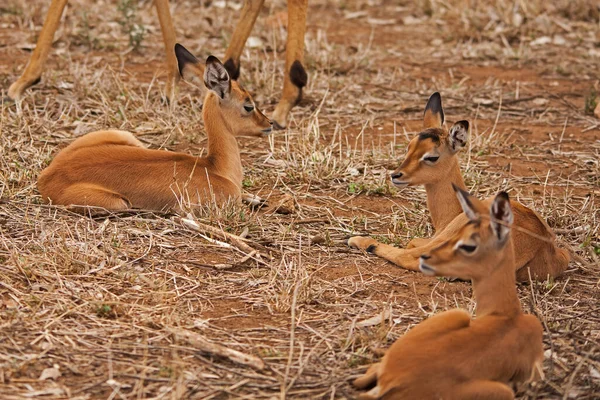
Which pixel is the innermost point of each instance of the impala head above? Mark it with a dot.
(475, 250)
(235, 103)
(431, 153)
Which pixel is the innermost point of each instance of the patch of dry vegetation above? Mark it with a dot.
(119, 305)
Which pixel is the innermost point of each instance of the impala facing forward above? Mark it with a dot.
(451, 356)
(113, 170)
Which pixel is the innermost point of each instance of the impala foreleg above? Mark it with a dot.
(295, 76)
(408, 259)
(33, 70)
(417, 242)
(169, 38)
(240, 35)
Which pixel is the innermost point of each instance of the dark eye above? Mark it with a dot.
(249, 108)
(431, 159)
(467, 248)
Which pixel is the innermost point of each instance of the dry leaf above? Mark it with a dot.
(50, 373)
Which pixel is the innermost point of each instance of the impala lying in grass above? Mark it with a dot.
(451, 356)
(113, 170)
(432, 161)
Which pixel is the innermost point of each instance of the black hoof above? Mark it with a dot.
(277, 127)
(371, 249)
(7, 100)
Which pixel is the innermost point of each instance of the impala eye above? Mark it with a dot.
(467, 248)
(432, 159)
(249, 108)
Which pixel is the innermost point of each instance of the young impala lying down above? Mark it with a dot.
(451, 356)
(112, 169)
(432, 161)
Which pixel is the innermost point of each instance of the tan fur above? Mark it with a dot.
(539, 257)
(291, 94)
(113, 170)
(451, 356)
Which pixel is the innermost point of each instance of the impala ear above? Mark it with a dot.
(501, 216)
(190, 68)
(464, 198)
(434, 113)
(458, 136)
(216, 77)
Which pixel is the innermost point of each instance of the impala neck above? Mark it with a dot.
(223, 151)
(496, 293)
(441, 198)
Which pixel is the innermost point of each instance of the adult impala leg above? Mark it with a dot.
(240, 35)
(169, 38)
(33, 71)
(295, 76)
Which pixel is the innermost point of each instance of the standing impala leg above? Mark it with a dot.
(295, 77)
(168, 32)
(240, 35)
(33, 71)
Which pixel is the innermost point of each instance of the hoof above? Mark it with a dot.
(362, 243)
(277, 127)
(7, 100)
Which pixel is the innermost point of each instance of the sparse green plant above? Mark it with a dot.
(130, 23)
(591, 102)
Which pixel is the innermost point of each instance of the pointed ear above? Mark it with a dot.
(465, 202)
(216, 77)
(459, 134)
(189, 66)
(501, 216)
(434, 113)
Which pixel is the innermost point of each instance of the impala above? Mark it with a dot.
(112, 169)
(432, 161)
(451, 356)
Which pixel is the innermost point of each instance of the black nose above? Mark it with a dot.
(397, 175)
(425, 256)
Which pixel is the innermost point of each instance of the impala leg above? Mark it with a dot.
(240, 35)
(295, 77)
(369, 378)
(417, 242)
(405, 258)
(169, 38)
(483, 390)
(33, 70)
(89, 194)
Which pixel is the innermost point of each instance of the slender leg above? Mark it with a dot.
(417, 242)
(295, 77)
(369, 378)
(549, 261)
(88, 194)
(405, 258)
(169, 38)
(240, 35)
(33, 71)
(482, 390)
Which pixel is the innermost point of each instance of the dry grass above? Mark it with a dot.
(101, 300)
